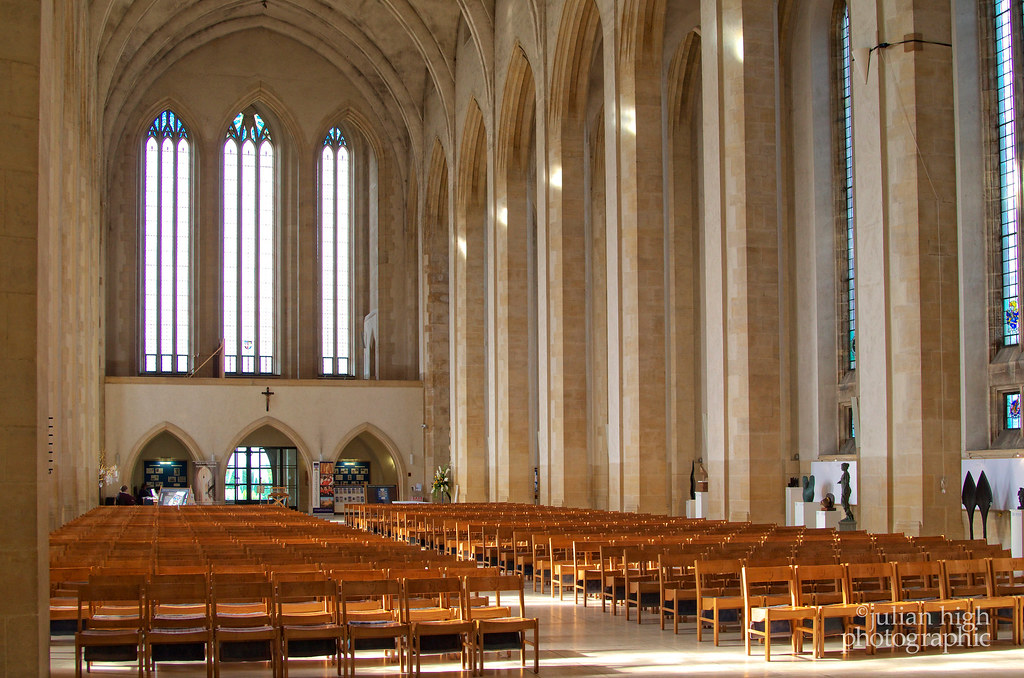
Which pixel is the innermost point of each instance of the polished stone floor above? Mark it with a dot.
(586, 642)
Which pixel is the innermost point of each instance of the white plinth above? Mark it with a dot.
(1016, 533)
(695, 508)
(803, 512)
(826, 519)
(793, 495)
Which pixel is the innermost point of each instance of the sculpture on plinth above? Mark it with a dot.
(844, 497)
(808, 483)
(984, 501)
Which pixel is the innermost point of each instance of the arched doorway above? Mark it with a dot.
(263, 459)
(164, 460)
(373, 449)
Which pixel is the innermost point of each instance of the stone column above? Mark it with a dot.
(907, 250)
(747, 378)
(641, 249)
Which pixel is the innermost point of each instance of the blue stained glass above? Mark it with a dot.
(167, 125)
(1008, 179)
(335, 138)
(249, 125)
(1012, 401)
(845, 149)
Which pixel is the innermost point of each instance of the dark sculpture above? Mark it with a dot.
(828, 502)
(844, 497)
(984, 501)
(1020, 498)
(969, 496)
(793, 482)
(693, 483)
(808, 482)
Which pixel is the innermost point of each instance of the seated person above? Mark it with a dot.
(124, 497)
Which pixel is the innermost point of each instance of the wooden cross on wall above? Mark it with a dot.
(268, 393)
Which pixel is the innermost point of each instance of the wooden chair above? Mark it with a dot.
(1006, 578)
(367, 615)
(769, 595)
(506, 632)
(445, 629)
(179, 623)
(677, 584)
(641, 580)
(103, 636)
(824, 586)
(873, 587)
(307, 616)
(972, 578)
(244, 627)
(719, 589)
(921, 582)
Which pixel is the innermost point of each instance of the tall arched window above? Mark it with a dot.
(335, 241)
(1008, 176)
(249, 244)
(847, 298)
(166, 252)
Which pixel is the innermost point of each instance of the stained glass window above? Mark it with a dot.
(1008, 179)
(1012, 403)
(166, 250)
(335, 240)
(848, 310)
(253, 472)
(249, 244)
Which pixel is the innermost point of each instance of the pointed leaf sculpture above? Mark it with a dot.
(693, 482)
(969, 497)
(808, 482)
(983, 497)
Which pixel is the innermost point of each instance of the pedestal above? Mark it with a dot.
(695, 507)
(1016, 533)
(803, 512)
(793, 495)
(827, 519)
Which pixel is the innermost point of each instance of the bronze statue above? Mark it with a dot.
(844, 497)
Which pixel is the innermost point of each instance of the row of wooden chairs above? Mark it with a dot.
(917, 595)
(175, 618)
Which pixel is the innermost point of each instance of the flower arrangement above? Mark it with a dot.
(442, 483)
(108, 475)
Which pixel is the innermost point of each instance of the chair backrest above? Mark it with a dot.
(322, 592)
(442, 590)
(718, 577)
(496, 584)
(356, 574)
(870, 582)
(383, 591)
(126, 596)
(242, 603)
(819, 584)
(768, 585)
(178, 590)
(1006, 576)
(965, 578)
(918, 580)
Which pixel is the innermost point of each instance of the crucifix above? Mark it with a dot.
(267, 393)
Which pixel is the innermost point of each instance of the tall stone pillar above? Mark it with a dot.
(743, 266)
(641, 252)
(905, 193)
(23, 543)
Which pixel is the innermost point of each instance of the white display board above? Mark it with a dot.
(826, 479)
(1005, 477)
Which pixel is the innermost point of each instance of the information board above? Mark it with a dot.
(166, 473)
(351, 472)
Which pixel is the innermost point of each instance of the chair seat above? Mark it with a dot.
(177, 635)
(780, 612)
(109, 636)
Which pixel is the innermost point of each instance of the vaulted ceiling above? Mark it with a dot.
(394, 51)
